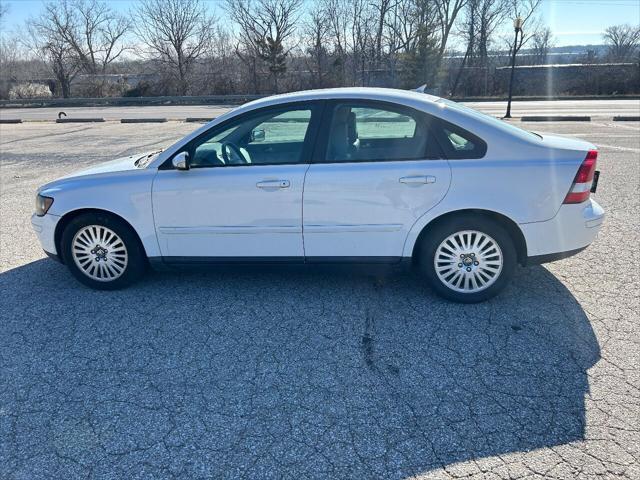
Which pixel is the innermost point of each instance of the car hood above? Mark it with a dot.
(122, 164)
(117, 165)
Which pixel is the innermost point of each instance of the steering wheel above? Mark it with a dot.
(232, 155)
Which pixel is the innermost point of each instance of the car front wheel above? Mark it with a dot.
(468, 259)
(102, 251)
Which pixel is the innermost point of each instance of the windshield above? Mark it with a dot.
(493, 120)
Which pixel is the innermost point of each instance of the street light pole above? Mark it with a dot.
(517, 25)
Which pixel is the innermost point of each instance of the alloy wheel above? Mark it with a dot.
(99, 253)
(468, 261)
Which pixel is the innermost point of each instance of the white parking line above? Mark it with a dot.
(596, 135)
(622, 149)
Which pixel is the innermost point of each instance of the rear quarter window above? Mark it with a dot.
(458, 143)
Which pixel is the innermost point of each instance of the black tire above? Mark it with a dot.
(136, 258)
(442, 230)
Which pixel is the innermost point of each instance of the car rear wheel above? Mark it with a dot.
(468, 259)
(102, 251)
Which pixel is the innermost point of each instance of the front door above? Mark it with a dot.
(242, 195)
(379, 173)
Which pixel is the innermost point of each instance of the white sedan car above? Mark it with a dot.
(354, 175)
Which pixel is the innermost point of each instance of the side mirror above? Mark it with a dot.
(258, 135)
(181, 161)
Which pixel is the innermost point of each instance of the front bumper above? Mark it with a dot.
(572, 229)
(45, 228)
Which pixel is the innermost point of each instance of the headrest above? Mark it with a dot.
(342, 114)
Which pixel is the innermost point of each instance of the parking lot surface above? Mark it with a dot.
(314, 374)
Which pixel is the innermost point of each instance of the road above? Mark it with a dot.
(601, 109)
(314, 374)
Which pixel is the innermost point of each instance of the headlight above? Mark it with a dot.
(43, 204)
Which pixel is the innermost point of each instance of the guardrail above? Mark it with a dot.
(129, 101)
(239, 99)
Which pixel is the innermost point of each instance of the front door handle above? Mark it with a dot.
(418, 179)
(273, 184)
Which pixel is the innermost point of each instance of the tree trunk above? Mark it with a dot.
(254, 75)
(65, 84)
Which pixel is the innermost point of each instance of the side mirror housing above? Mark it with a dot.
(181, 161)
(258, 135)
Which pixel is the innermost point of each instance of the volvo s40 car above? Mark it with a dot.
(333, 176)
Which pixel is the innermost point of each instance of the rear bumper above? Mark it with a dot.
(45, 228)
(569, 232)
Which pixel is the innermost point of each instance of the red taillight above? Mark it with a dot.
(581, 187)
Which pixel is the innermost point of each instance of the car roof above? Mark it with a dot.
(407, 97)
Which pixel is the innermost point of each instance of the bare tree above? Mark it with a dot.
(8, 62)
(246, 48)
(448, 11)
(382, 9)
(622, 41)
(542, 43)
(362, 38)
(222, 67)
(409, 20)
(413, 29)
(55, 52)
(316, 37)
(88, 28)
(338, 25)
(266, 27)
(176, 33)
(4, 10)
(481, 21)
(527, 10)
(490, 13)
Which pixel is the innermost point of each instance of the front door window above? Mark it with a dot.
(272, 138)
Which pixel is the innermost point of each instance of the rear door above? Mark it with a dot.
(377, 170)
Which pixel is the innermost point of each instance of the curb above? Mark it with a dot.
(199, 119)
(79, 120)
(143, 120)
(10, 120)
(621, 118)
(554, 118)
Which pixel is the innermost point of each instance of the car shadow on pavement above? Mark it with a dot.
(272, 374)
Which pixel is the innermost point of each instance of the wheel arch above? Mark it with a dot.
(512, 228)
(69, 216)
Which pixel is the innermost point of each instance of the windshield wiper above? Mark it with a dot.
(144, 161)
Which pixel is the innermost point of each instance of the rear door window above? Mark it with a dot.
(376, 133)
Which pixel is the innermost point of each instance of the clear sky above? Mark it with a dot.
(573, 22)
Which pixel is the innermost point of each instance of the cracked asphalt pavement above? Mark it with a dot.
(314, 374)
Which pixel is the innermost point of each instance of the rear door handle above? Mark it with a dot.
(273, 184)
(418, 179)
